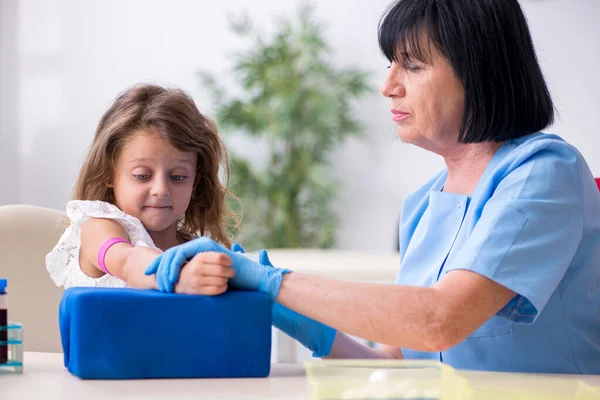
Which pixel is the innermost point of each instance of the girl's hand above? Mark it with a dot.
(167, 266)
(206, 273)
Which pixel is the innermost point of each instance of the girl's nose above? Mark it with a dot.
(160, 187)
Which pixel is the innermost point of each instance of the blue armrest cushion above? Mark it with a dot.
(110, 333)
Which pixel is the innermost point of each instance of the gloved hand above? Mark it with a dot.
(313, 335)
(249, 275)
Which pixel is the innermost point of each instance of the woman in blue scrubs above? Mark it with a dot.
(500, 252)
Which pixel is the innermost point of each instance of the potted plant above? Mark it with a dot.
(296, 105)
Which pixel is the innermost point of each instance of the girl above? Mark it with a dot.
(150, 182)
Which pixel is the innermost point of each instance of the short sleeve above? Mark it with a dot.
(529, 229)
(62, 263)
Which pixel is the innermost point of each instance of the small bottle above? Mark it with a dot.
(3, 322)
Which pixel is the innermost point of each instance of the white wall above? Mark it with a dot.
(9, 161)
(70, 58)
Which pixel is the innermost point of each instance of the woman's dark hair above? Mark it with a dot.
(488, 44)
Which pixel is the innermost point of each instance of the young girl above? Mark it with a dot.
(150, 182)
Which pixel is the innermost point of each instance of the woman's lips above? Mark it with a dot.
(399, 115)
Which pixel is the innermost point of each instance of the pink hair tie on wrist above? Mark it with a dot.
(107, 245)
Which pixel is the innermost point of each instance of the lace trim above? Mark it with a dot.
(62, 263)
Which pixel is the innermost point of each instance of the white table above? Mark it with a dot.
(46, 378)
(372, 267)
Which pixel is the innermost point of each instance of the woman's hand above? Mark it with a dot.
(313, 335)
(206, 273)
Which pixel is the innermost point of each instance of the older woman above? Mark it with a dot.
(500, 252)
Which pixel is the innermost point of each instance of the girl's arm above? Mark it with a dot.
(206, 273)
(125, 261)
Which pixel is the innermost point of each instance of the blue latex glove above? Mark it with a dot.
(249, 275)
(313, 335)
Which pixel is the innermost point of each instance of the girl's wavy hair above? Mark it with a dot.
(173, 115)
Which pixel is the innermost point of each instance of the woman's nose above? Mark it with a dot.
(392, 85)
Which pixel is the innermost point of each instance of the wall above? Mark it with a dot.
(62, 62)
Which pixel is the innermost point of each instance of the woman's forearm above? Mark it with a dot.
(400, 316)
(420, 318)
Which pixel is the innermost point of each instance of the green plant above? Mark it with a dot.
(297, 106)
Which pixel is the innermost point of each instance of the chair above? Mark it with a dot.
(27, 234)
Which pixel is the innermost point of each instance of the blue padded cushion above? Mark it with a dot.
(110, 333)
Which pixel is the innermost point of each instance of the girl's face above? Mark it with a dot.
(153, 181)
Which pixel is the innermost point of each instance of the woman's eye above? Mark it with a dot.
(412, 67)
(178, 178)
(142, 177)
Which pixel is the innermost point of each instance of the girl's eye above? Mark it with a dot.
(142, 177)
(178, 178)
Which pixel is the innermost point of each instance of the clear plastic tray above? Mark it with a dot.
(383, 379)
(432, 380)
(15, 349)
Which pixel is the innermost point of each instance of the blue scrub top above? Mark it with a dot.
(532, 224)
